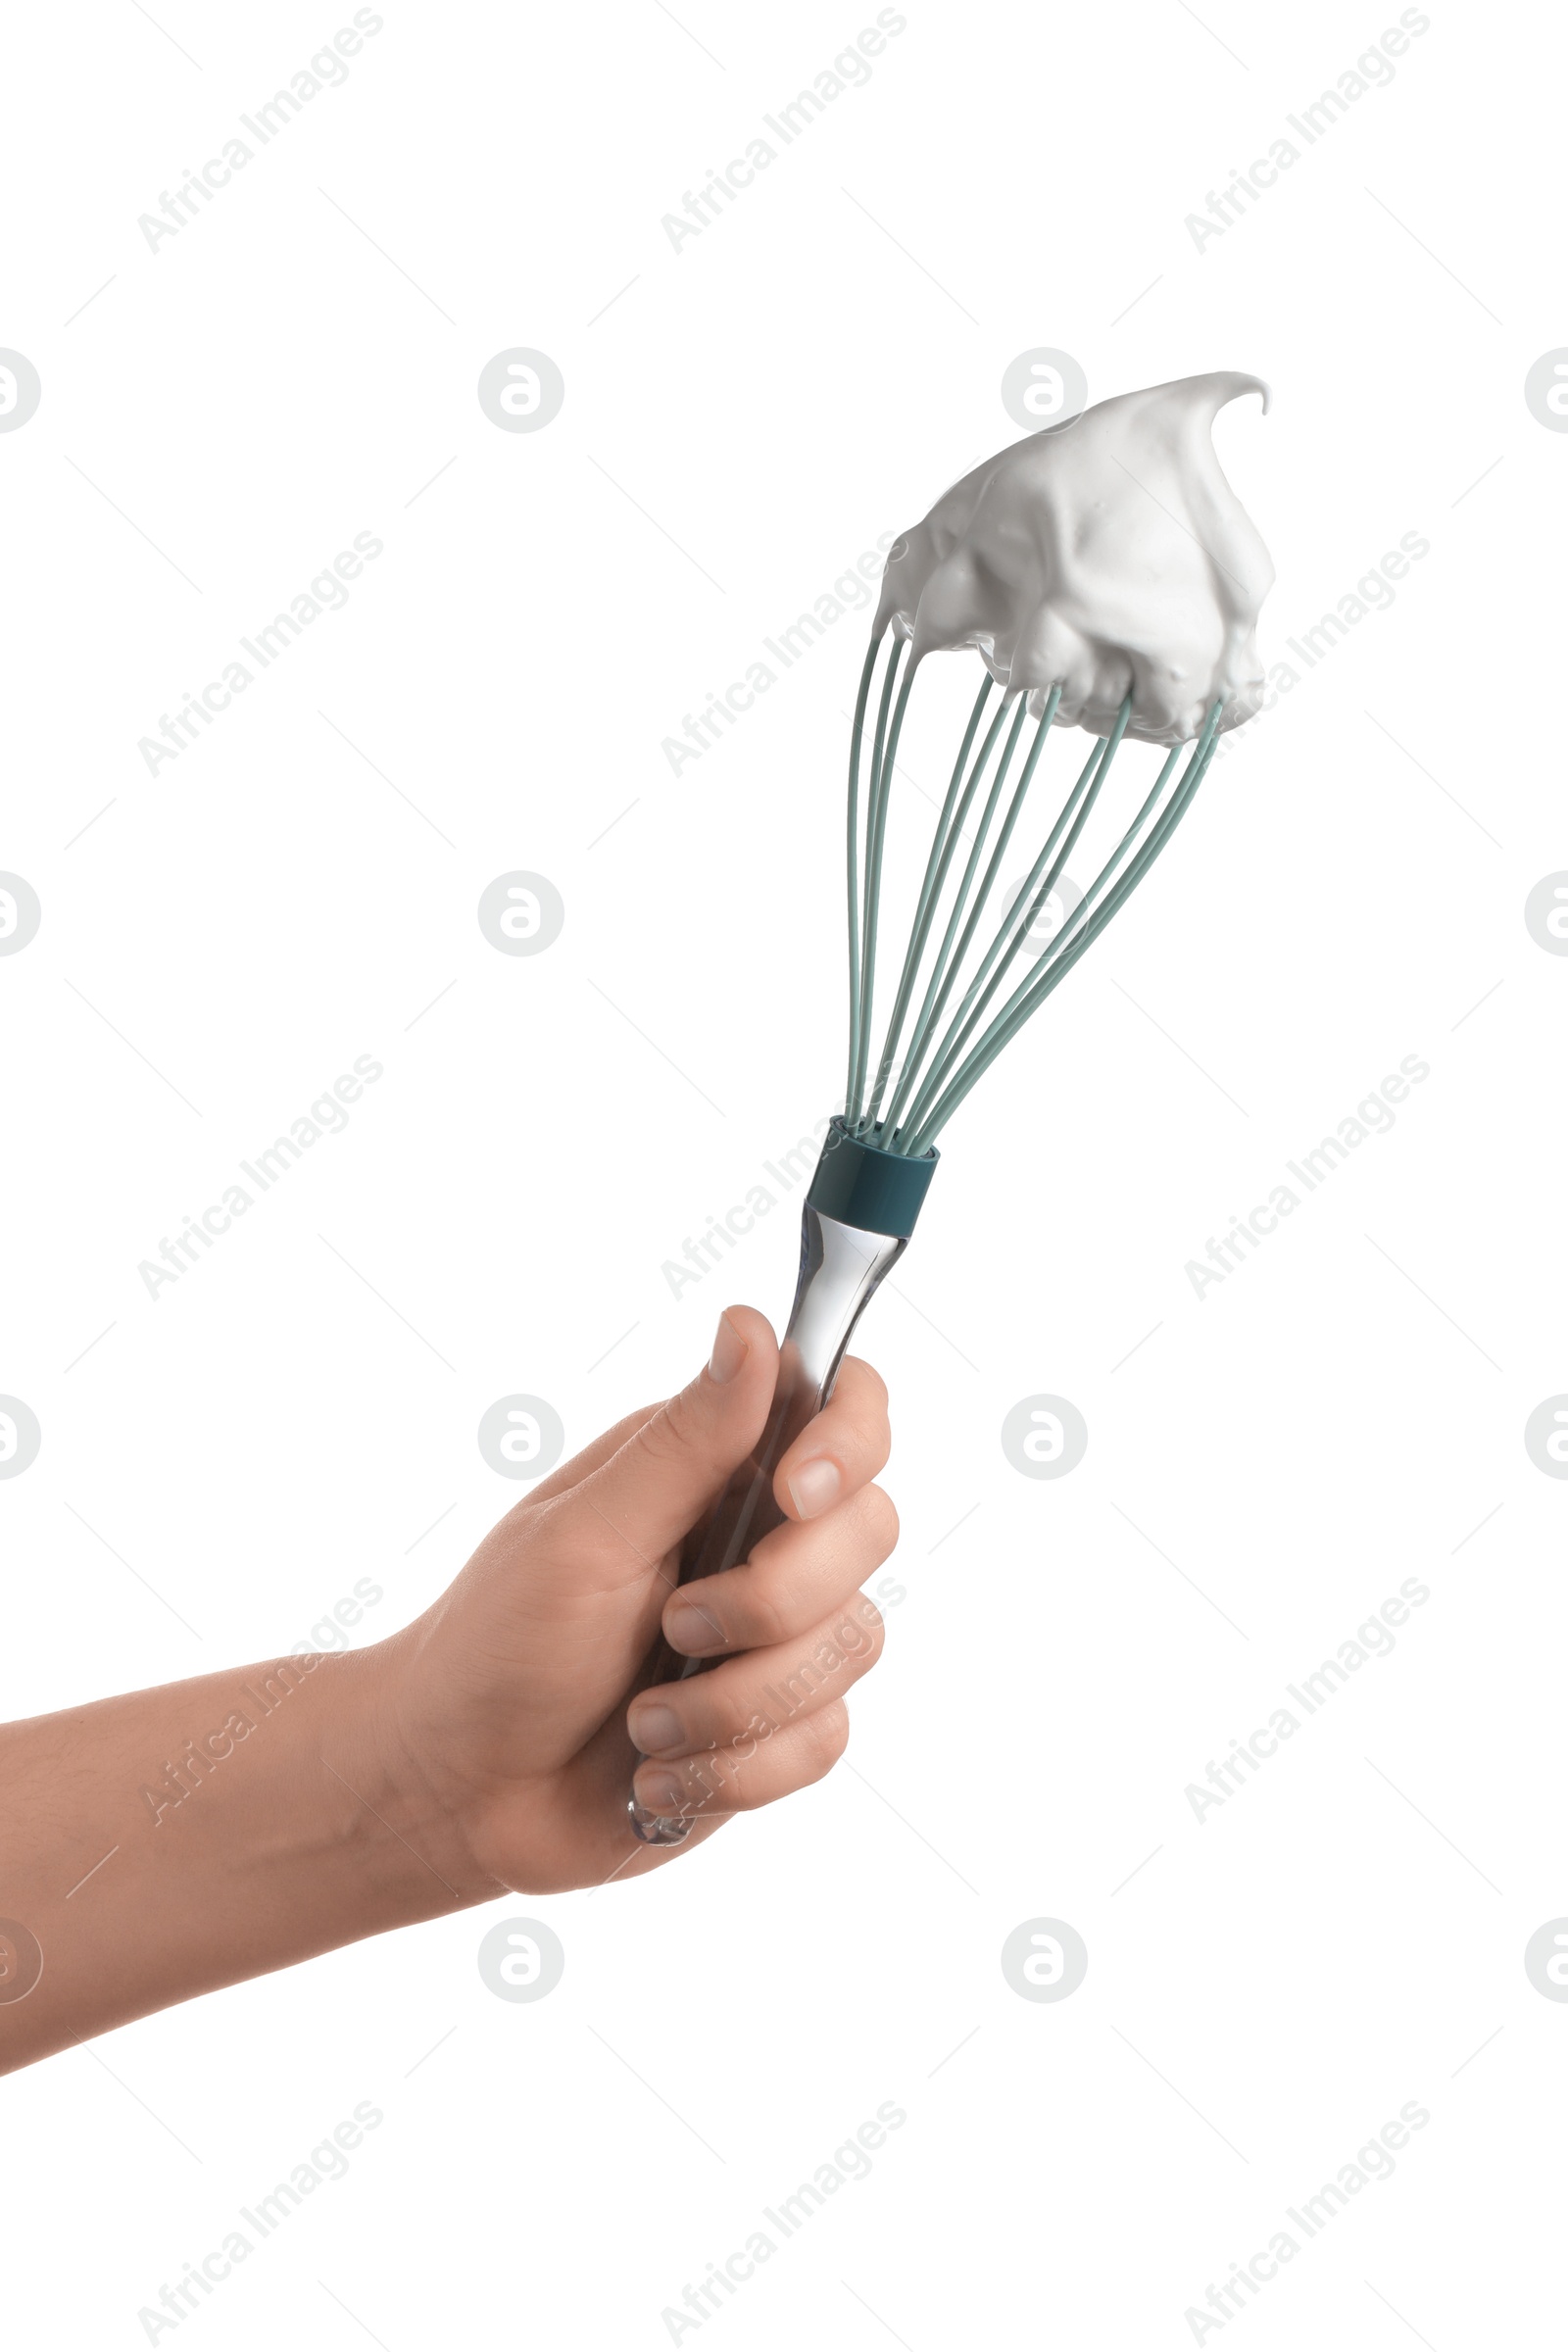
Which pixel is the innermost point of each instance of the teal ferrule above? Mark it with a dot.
(861, 1184)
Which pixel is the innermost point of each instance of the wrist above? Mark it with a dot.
(407, 1796)
(311, 1803)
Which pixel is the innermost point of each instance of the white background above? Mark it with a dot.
(747, 416)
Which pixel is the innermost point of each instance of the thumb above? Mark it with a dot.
(670, 1469)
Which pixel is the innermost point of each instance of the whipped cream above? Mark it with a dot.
(1106, 556)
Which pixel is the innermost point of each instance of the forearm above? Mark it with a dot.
(161, 1844)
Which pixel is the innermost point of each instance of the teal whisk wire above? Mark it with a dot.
(944, 953)
(949, 824)
(876, 818)
(947, 1053)
(853, 855)
(977, 771)
(1033, 991)
(1079, 804)
(1080, 801)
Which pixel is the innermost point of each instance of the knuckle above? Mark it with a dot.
(566, 1537)
(589, 1549)
(671, 1432)
(702, 1731)
(763, 1612)
(749, 1777)
(873, 1630)
(882, 1522)
(826, 1737)
(853, 1639)
(708, 1777)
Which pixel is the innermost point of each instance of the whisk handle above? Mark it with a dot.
(841, 1266)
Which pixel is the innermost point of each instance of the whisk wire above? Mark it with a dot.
(955, 964)
(949, 824)
(1077, 935)
(945, 952)
(1039, 881)
(941, 1065)
(883, 752)
(948, 846)
(853, 854)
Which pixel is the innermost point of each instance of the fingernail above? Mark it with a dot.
(690, 1629)
(660, 1791)
(729, 1353)
(815, 1487)
(656, 1727)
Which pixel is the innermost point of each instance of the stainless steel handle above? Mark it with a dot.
(841, 1267)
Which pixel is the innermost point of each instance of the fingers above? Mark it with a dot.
(741, 1779)
(701, 1733)
(675, 1462)
(811, 1564)
(835, 1455)
(794, 1577)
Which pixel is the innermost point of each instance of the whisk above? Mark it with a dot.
(924, 1028)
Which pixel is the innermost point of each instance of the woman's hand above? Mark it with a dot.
(503, 1709)
(168, 1842)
